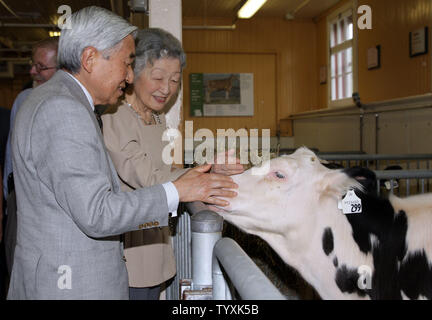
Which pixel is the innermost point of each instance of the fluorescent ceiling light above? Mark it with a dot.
(249, 8)
(54, 33)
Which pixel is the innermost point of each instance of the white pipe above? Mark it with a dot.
(249, 281)
(232, 27)
(220, 287)
(291, 15)
(300, 6)
(206, 230)
(202, 250)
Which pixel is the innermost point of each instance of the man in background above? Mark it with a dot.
(43, 67)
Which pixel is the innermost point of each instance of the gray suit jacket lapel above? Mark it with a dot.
(77, 92)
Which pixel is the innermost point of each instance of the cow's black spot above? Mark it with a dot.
(415, 276)
(335, 262)
(379, 219)
(387, 256)
(365, 176)
(327, 241)
(347, 280)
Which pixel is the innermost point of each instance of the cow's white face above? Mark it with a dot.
(285, 198)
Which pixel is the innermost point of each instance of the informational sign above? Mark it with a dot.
(374, 57)
(418, 41)
(221, 94)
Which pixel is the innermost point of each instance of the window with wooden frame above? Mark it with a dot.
(342, 38)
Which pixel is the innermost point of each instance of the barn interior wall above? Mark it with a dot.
(400, 77)
(291, 43)
(299, 48)
(399, 132)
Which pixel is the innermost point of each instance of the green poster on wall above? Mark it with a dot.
(196, 94)
(221, 94)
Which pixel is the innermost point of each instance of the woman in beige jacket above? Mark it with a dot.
(133, 136)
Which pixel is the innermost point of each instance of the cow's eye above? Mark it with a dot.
(279, 175)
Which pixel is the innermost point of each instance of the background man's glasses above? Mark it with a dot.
(39, 67)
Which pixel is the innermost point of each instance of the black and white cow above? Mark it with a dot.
(384, 252)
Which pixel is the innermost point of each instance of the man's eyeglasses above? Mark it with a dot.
(39, 67)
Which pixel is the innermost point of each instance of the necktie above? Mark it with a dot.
(97, 113)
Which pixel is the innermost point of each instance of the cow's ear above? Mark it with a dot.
(336, 183)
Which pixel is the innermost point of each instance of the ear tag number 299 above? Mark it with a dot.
(350, 203)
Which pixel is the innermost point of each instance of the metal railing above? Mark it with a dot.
(248, 280)
(208, 254)
(183, 255)
(412, 178)
(401, 180)
(380, 161)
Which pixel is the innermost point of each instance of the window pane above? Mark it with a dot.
(348, 79)
(350, 30)
(341, 75)
(334, 97)
(333, 65)
(342, 31)
(341, 61)
(348, 66)
(333, 35)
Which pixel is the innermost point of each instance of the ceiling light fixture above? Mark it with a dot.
(54, 33)
(249, 8)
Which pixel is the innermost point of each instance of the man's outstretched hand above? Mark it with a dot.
(227, 164)
(198, 185)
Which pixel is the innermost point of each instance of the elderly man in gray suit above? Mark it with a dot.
(70, 207)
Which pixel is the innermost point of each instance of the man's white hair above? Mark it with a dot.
(91, 27)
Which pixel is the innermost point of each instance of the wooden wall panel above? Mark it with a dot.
(399, 75)
(322, 61)
(292, 42)
(263, 66)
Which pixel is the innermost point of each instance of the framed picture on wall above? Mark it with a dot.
(418, 42)
(323, 75)
(221, 94)
(374, 57)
